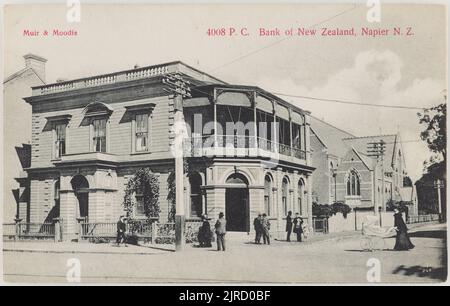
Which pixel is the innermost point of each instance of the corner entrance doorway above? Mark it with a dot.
(80, 187)
(237, 212)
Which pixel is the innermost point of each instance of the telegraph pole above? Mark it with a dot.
(438, 185)
(377, 150)
(178, 89)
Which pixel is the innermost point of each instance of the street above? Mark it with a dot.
(327, 261)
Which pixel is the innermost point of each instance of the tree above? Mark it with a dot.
(145, 184)
(435, 133)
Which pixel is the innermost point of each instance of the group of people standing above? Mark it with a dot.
(205, 235)
(261, 225)
(294, 225)
(262, 230)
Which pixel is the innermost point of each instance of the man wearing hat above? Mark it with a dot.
(257, 224)
(298, 226)
(265, 229)
(220, 227)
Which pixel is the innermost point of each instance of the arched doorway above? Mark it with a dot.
(80, 187)
(236, 204)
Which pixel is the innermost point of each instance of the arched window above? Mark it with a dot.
(300, 194)
(195, 180)
(285, 195)
(353, 184)
(267, 194)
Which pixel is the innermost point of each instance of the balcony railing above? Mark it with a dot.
(204, 145)
(122, 76)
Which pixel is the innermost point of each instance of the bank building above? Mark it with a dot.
(90, 136)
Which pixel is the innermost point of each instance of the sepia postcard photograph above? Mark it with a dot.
(211, 144)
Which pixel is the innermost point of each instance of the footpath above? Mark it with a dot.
(149, 249)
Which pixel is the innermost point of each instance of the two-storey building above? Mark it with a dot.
(248, 151)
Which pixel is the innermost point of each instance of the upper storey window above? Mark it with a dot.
(60, 140)
(140, 125)
(99, 135)
(98, 115)
(58, 125)
(353, 184)
(141, 135)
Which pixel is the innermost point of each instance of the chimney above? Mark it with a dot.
(37, 63)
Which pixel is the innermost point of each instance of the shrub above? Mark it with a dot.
(402, 206)
(340, 207)
(326, 210)
(144, 182)
(321, 210)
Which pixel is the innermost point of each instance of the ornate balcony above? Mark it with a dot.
(240, 146)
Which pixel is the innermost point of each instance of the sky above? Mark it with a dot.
(388, 70)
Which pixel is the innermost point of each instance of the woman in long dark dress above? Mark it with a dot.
(402, 241)
(204, 233)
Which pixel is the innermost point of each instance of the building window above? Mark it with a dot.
(99, 135)
(353, 184)
(141, 135)
(267, 193)
(60, 140)
(301, 192)
(56, 201)
(285, 195)
(195, 180)
(139, 212)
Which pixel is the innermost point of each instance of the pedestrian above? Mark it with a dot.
(298, 227)
(402, 241)
(121, 231)
(220, 227)
(204, 233)
(289, 226)
(265, 229)
(257, 224)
